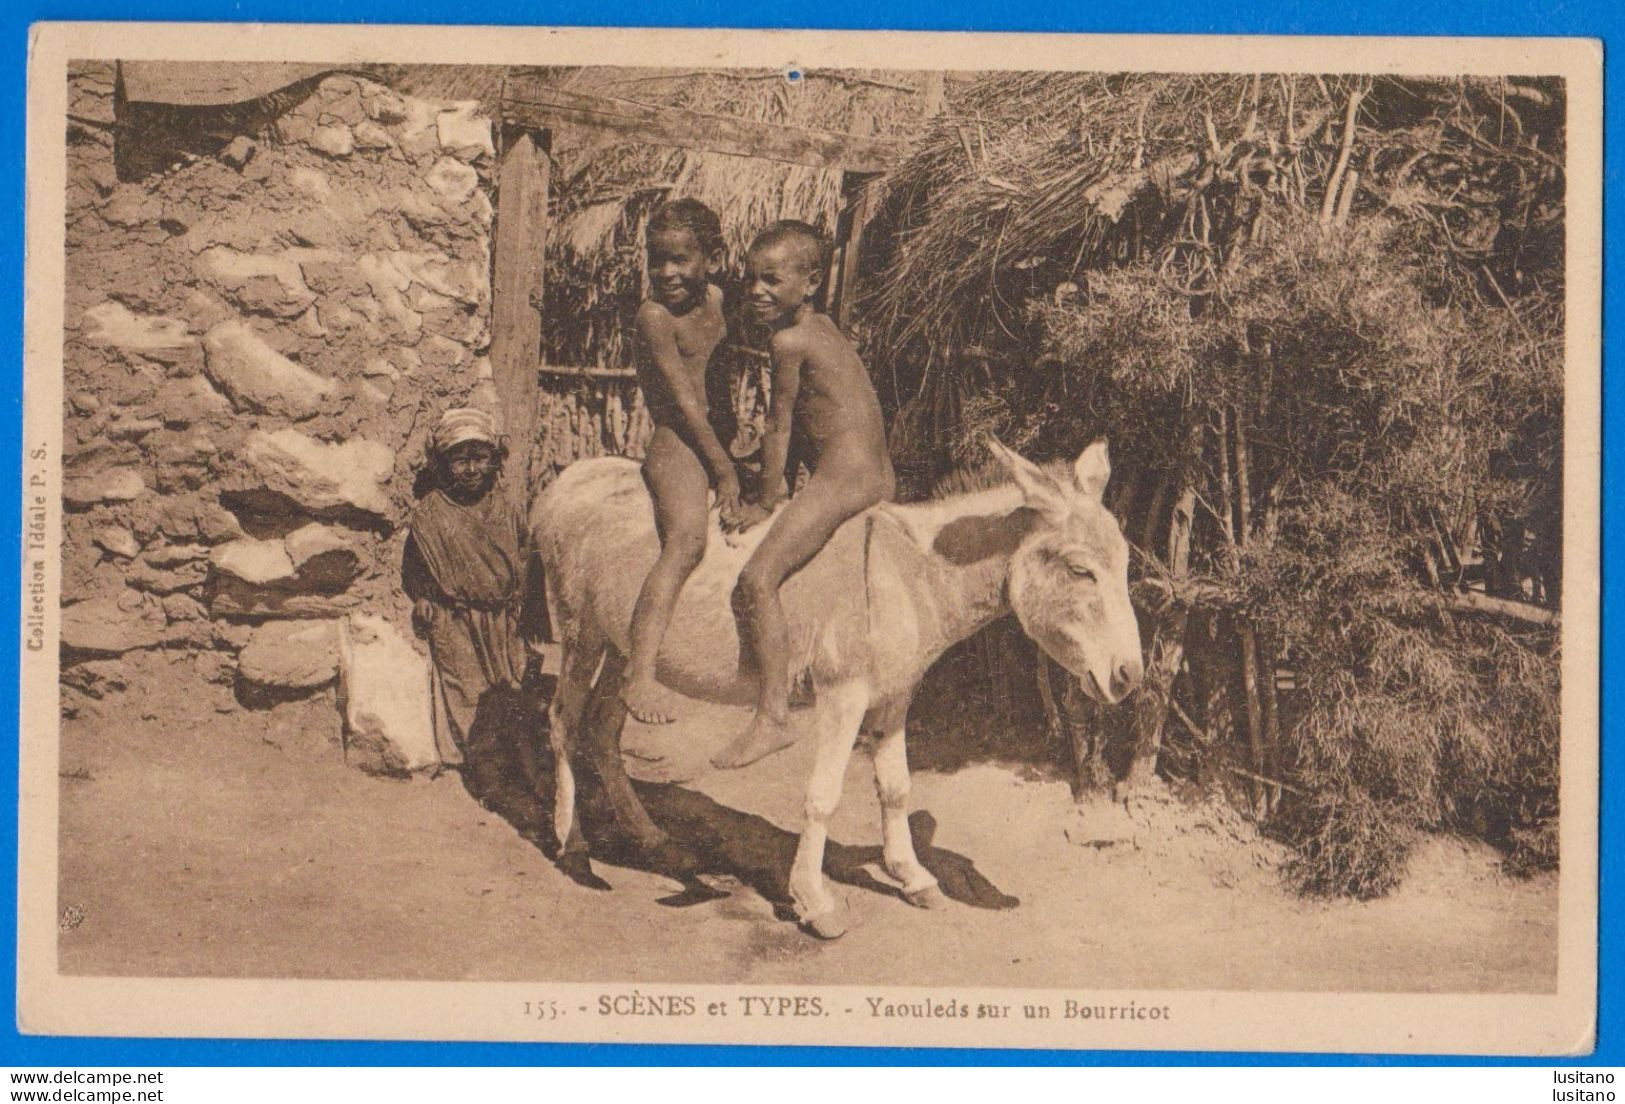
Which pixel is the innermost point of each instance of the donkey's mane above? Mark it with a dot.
(984, 476)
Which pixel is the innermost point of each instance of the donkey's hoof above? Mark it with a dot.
(928, 897)
(577, 866)
(826, 925)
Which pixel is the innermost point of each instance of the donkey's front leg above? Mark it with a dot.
(840, 709)
(892, 785)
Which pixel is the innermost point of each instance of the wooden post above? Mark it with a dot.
(1150, 704)
(859, 210)
(1270, 711)
(1240, 518)
(516, 297)
(1167, 653)
(1085, 725)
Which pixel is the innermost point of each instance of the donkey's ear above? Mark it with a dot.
(1092, 470)
(1037, 486)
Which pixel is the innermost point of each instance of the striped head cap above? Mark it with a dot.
(464, 423)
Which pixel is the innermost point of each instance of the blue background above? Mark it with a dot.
(1603, 19)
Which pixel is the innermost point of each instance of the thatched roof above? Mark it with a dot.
(605, 187)
(1033, 181)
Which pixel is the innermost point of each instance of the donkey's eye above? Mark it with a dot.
(1080, 571)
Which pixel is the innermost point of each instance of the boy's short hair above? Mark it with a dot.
(809, 244)
(690, 215)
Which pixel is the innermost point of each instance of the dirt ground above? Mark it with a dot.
(199, 839)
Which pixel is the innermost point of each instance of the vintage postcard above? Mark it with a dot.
(811, 538)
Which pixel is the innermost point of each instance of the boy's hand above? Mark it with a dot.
(746, 517)
(422, 614)
(728, 499)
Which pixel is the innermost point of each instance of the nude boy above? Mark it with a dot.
(678, 329)
(823, 396)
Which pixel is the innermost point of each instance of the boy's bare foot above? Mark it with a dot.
(761, 738)
(645, 700)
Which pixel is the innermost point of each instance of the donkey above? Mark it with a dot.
(892, 590)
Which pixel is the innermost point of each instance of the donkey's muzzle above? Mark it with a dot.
(1125, 677)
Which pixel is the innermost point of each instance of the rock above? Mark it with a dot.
(294, 127)
(321, 477)
(259, 577)
(383, 104)
(437, 272)
(441, 354)
(380, 367)
(370, 136)
(112, 324)
(333, 139)
(132, 205)
(181, 402)
(117, 540)
(257, 282)
(294, 655)
(156, 580)
(173, 555)
(452, 180)
(182, 607)
(188, 634)
(133, 429)
(215, 523)
(108, 485)
(256, 377)
(253, 561)
(388, 281)
(463, 132)
(310, 324)
(421, 213)
(85, 402)
(431, 304)
(323, 557)
(97, 677)
(311, 182)
(103, 626)
(340, 97)
(205, 309)
(231, 597)
(313, 540)
(484, 213)
(421, 146)
(239, 152)
(184, 520)
(230, 636)
(194, 448)
(384, 695)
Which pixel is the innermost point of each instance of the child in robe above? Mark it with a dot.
(464, 572)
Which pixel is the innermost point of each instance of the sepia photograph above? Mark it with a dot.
(714, 537)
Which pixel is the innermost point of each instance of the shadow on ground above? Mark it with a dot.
(709, 838)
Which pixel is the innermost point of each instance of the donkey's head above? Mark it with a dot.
(1069, 577)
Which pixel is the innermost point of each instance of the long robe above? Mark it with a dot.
(468, 562)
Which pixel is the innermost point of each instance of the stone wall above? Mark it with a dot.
(257, 344)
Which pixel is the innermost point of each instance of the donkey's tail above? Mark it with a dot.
(537, 616)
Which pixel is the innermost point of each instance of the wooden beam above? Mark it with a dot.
(1474, 602)
(585, 371)
(528, 101)
(516, 298)
(860, 208)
